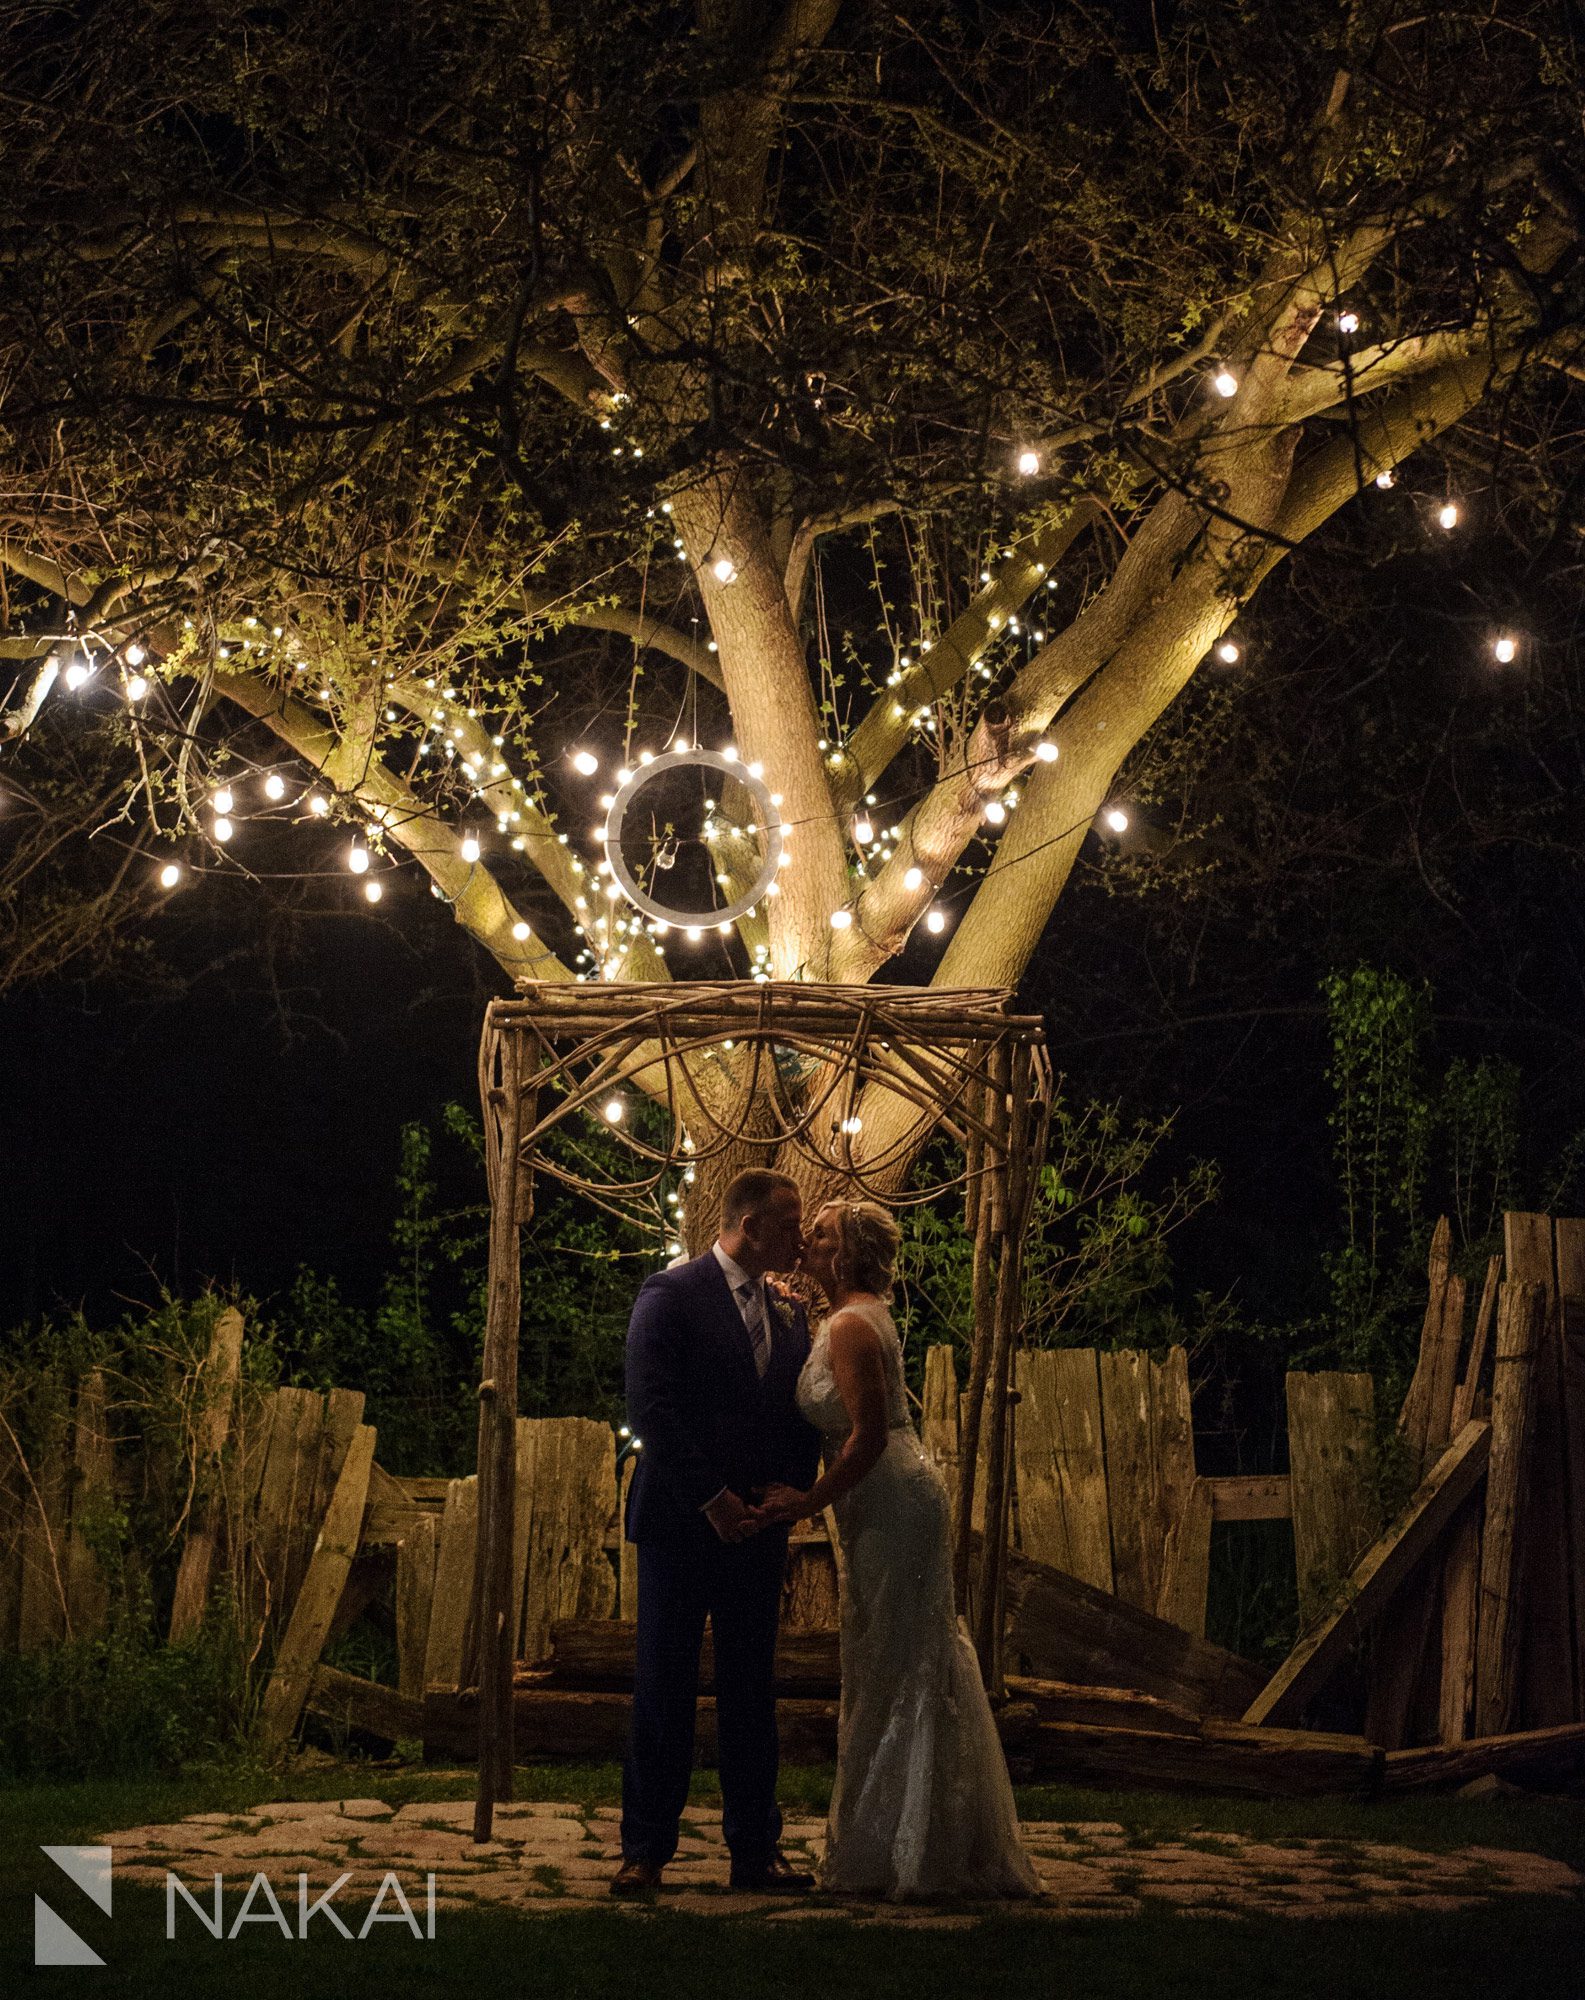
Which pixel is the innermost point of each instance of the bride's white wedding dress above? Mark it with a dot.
(922, 1805)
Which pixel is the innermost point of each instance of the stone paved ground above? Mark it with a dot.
(548, 1858)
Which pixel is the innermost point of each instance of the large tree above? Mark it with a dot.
(398, 401)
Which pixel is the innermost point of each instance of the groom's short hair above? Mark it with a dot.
(748, 1192)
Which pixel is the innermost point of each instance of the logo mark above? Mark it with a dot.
(54, 1940)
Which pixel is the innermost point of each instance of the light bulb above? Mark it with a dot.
(1116, 819)
(585, 764)
(521, 931)
(613, 1110)
(680, 746)
(137, 688)
(1505, 649)
(724, 570)
(841, 920)
(1386, 477)
(1046, 751)
(470, 848)
(358, 859)
(223, 799)
(724, 929)
(1447, 515)
(78, 671)
(373, 891)
(223, 829)
(318, 805)
(135, 655)
(1348, 322)
(936, 921)
(863, 832)
(694, 933)
(995, 811)
(170, 875)
(1029, 463)
(1227, 652)
(1225, 382)
(852, 1126)
(914, 879)
(275, 786)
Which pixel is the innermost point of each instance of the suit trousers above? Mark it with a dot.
(739, 1586)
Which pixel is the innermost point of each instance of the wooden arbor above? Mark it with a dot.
(837, 1085)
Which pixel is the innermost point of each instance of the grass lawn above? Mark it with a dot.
(1513, 1948)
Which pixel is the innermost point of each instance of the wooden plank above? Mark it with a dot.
(92, 1497)
(448, 1618)
(1224, 1757)
(938, 1415)
(1539, 1756)
(217, 1388)
(554, 1723)
(347, 1702)
(1412, 1417)
(426, 1491)
(1186, 1563)
(1112, 1708)
(599, 1653)
(1469, 1387)
(323, 1458)
(1569, 1243)
(315, 1603)
(1460, 1606)
(1375, 1578)
(285, 1487)
(1070, 1631)
(389, 1513)
(42, 1613)
(564, 1502)
(1251, 1496)
(1546, 1654)
(1335, 1498)
(811, 1591)
(1060, 1463)
(1521, 1313)
(1149, 1443)
(415, 1593)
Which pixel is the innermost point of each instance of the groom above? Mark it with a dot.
(713, 1357)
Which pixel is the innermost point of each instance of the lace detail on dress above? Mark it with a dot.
(922, 1805)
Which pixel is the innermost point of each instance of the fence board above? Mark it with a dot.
(448, 1617)
(1546, 1662)
(1570, 1246)
(1186, 1562)
(314, 1605)
(415, 1593)
(1063, 1516)
(343, 1417)
(285, 1489)
(218, 1386)
(566, 1499)
(1149, 1444)
(626, 1551)
(1521, 1312)
(92, 1495)
(1333, 1493)
(1460, 1605)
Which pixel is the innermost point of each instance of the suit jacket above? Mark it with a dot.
(696, 1401)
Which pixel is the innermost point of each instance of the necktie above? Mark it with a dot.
(752, 1303)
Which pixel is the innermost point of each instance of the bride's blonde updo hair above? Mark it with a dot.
(867, 1242)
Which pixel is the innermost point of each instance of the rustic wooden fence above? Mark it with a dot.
(292, 1516)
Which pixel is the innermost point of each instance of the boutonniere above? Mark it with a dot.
(783, 1305)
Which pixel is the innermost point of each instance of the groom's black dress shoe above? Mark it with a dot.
(774, 1876)
(635, 1878)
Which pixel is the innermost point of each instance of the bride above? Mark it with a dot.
(922, 1805)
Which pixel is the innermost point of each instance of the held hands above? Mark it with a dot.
(732, 1521)
(781, 1505)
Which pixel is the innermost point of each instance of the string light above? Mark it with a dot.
(863, 832)
(137, 688)
(936, 922)
(1029, 463)
(470, 849)
(275, 786)
(1228, 652)
(1225, 382)
(318, 804)
(914, 879)
(841, 920)
(1046, 751)
(521, 931)
(1116, 819)
(1348, 322)
(995, 812)
(852, 1126)
(224, 800)
(223, 829)
(613, 1110)
(135, 655)
(170, 875)
(78, 672)
(358, 858)
(584, 763)
(724, 570)
(373, 891)
(1386, 478)
(1505, 649)
(1447, 515)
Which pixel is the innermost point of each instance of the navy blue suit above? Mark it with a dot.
(707, 1420)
